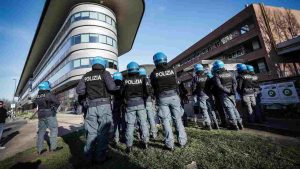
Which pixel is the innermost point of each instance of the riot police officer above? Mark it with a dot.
(134, 92)
(165, 85)
(211, 100)
(259, 117)
(217, 101)
(47, 105)
(117, 109)
(97, 85)
(199, 89)
(149, 104)
(246, 90)
(226, 84)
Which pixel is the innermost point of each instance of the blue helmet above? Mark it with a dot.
(218, 64)
(117, 76)
(159, 57)
(209, 74)
(99, 60)
(198, 68)
(143, 71)
(241, 67)
(45, 85)
(133, 67)
(250, 68)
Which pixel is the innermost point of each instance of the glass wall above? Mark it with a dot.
(93, 38)
(61, 74)
(74, 40)
(92, 15)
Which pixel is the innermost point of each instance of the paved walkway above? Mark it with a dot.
(20, 135)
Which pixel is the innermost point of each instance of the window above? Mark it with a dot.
(262, 67)
(72, 19)
(110, 65)
(77, 39)
(116, 65)
(108, 19)
(85, 15)
(102, 39)
(84, 38)
(114, 43)
(94, 38)
(76, 63)
(245, 29)
(85, 62)
(77, 17)
(109, 40)
(93, 15)
(101, 17)
(255, 45)
(113, 23)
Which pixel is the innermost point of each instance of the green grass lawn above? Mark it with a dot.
(210, 149)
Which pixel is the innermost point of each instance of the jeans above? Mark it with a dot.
(98, 124)
(151, 119)
(133, 113)
(228, 103)
(43, 124)
(170, 108)
(1, 130)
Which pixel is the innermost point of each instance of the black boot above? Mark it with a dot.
(240, 125)
(128, 150)
(145, 146)
(57, 149)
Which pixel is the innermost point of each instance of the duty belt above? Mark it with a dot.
(98, 102)
(168, 93)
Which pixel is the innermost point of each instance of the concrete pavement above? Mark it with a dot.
(20, 135)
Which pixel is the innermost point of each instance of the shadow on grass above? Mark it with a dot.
(31, 165)
(76, 141)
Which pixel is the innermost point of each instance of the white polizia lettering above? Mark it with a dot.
(134, 82)
(92, 78)
(165, 73)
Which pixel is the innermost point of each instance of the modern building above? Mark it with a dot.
(263, 36)
(69, 34)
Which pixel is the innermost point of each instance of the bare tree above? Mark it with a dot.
(293, 25)
(7, 103)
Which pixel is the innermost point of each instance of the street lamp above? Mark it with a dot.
(14, 90)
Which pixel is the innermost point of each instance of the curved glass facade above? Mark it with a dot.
(92, 15)
(68, 58)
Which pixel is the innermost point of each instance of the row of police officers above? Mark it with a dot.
(133, 104)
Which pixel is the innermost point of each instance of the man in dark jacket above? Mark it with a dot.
(3, 116)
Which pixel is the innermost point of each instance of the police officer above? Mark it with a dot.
(47, 105)
(211, 100)
(96, 85)
(117, 109)
(199, 90)
(149, 104)
(165, 85)
(217, 101)
(134, 92)
(255, 84)
(246, 90)
(226, 85)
